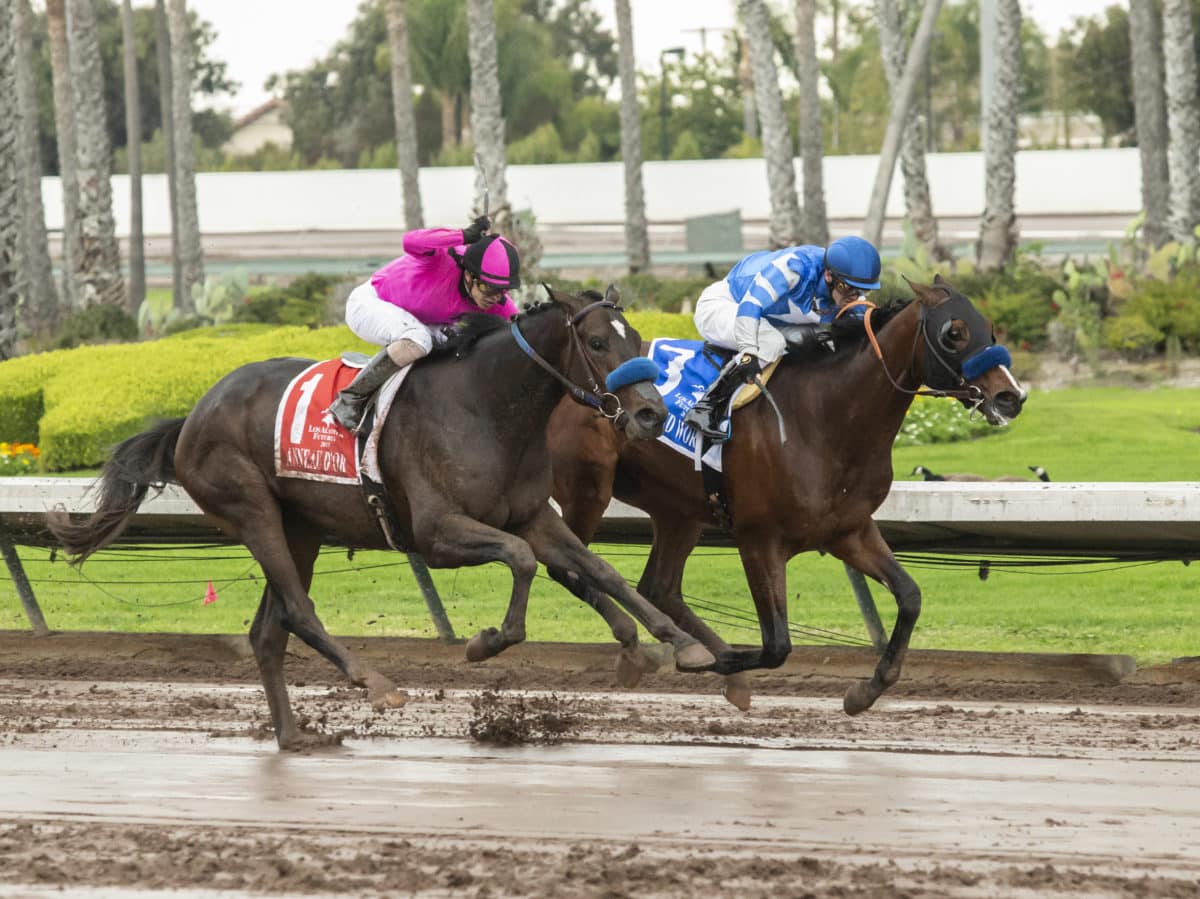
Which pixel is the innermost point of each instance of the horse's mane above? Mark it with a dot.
(849, 334)
(473, 327)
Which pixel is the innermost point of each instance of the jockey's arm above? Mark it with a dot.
(770, 283)
(425, 241)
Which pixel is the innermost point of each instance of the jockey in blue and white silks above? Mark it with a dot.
(770, 299)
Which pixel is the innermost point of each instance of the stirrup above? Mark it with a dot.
(702, 421)
(349, 412)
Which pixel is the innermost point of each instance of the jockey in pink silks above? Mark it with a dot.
(444, 274)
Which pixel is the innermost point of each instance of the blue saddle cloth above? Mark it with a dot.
(685, 373)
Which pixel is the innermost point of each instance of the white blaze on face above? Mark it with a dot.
(619, 327)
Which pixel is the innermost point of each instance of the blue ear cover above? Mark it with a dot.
(630, 372)
(985, 359)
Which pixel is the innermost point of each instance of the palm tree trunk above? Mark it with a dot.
(98, 275)
(902, 101)
(10, 288)
(64, 130)
(1151, 114)
(917, 200)
(998, 229)
(133, 146)
(637, 240)
(191, 259)
(402, 112)
(1183, 118)
(162, 52)
(783, 224)
(41, 296)
(814, 221)
(487, 127)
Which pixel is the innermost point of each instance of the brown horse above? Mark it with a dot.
(463, 455)
(818, 490)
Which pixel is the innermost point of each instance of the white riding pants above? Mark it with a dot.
(716, 320)
(379, 322)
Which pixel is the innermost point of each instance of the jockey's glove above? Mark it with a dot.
(747, 368)
(476, 229)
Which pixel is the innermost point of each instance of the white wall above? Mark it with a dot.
(1048, 182)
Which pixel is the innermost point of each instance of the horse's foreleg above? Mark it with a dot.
(555, 545)
(454, 541)
(633, 661)
(662, 584)
(765, 564)
(867, 551)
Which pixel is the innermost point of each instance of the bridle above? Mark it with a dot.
(604, 402)
(945, 378)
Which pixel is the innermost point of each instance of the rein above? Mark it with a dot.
(965, 392)
(604, 402)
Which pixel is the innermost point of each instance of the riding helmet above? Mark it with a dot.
(493, 259)
(854, 261)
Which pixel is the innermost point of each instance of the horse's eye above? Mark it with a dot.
(596, 343)
(954, 336)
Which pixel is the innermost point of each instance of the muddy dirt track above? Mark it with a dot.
(134, 763)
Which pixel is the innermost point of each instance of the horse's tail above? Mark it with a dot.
(144, 461)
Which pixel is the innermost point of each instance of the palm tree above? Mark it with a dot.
(191, 259)
(41, 296)
(814, 223)
(1183, 118)
(902, 101)
(9, 216)
(1151, 115)
(487, 126)
(64, 131)
(637, 240)
(402, 112)
(917, 201)
(98, 266)
(133, 146)
(783, 224)
(438, 34)
(162, 53)
(998, 228)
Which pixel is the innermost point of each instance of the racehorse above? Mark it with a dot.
(463, 456)
(841, 411)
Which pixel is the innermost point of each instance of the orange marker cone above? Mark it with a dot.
(210, 595)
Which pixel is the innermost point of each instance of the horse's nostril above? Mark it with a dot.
(1008, 403)
(648, 418)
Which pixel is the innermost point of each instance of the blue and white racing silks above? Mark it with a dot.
(784, 287)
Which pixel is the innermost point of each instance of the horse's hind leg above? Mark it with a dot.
(230, 487)
(867, 551)
(269, 639)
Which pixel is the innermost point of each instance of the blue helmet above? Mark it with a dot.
(855, 261)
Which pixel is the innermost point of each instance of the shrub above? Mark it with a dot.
(937, 420)
(17, 459)
(304, 301)
(1131, 336)
(101, 323)
(1172, 307)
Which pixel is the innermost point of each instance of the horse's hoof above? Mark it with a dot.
(858, 698)
(305, 740)
(694, 657)
(479, 646)
(632, 664)
(388, 699)
(737, 690)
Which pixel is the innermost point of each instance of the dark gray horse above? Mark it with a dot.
(463, 455)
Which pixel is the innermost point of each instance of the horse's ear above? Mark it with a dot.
(923, 292)
(549, 290)
(612, 295)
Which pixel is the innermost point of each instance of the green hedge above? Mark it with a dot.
(76, 404)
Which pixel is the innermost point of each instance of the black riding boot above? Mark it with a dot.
(351, 403)
(712, 409)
